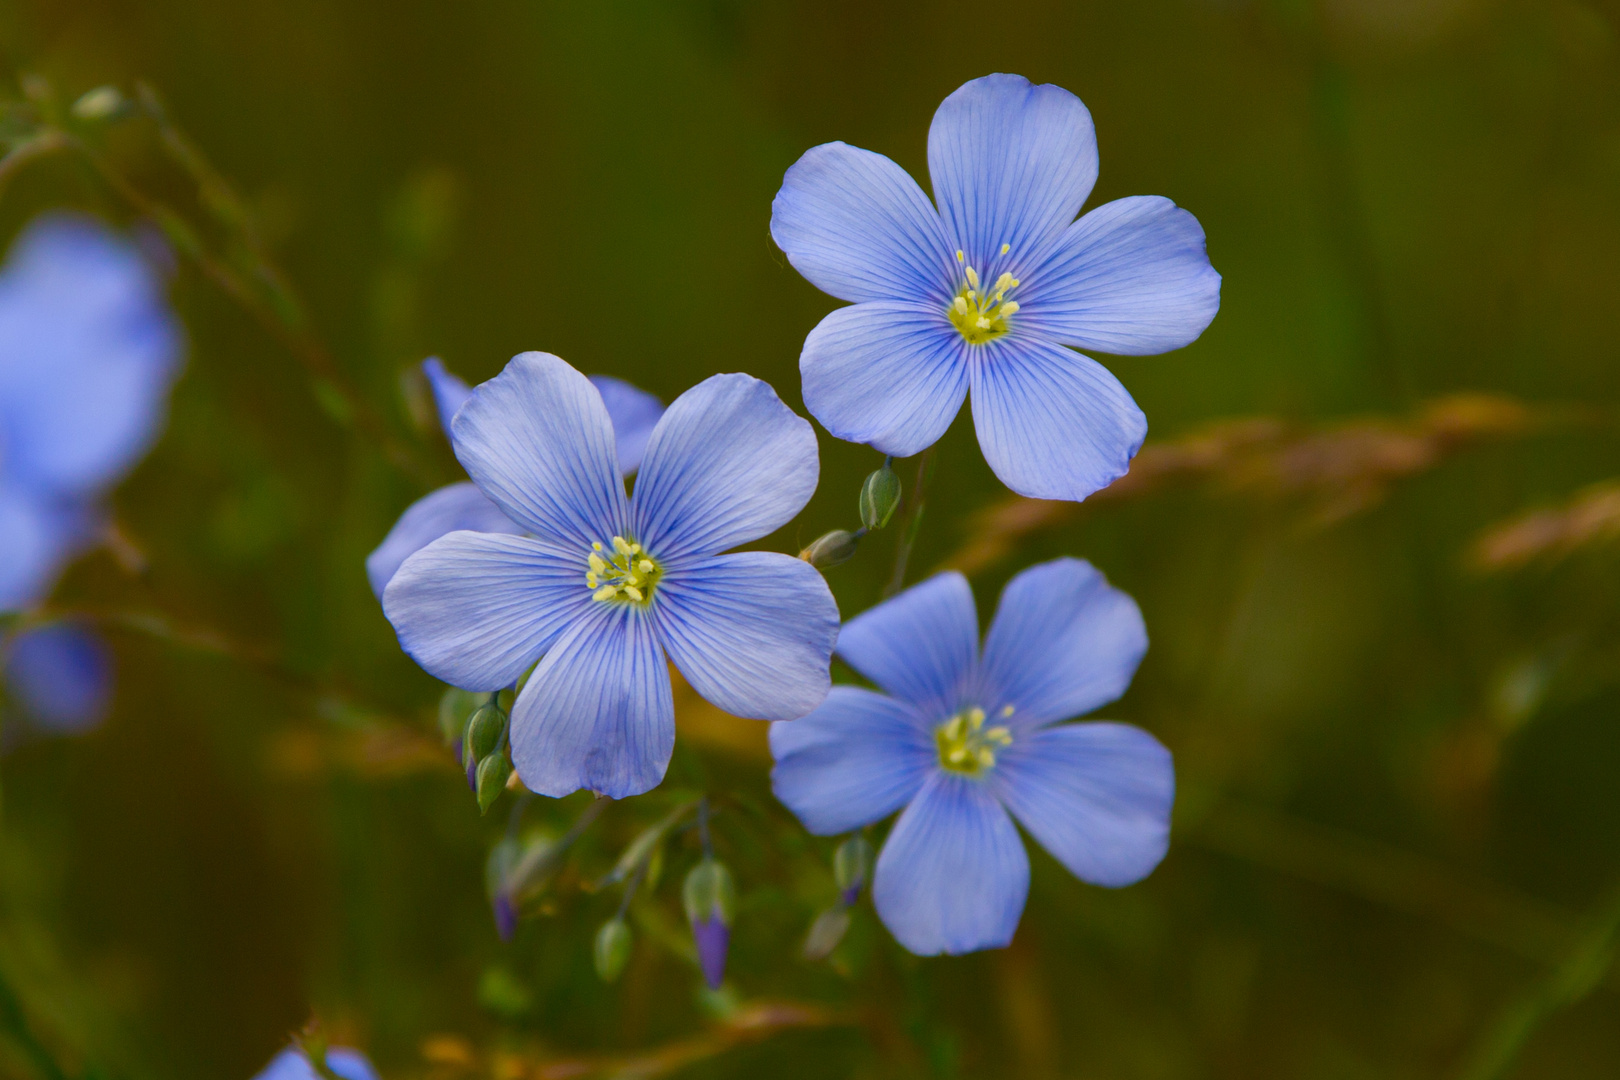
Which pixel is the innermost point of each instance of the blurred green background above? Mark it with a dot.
(1398, 830)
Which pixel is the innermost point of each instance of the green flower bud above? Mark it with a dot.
(880, 497)
(102, 103)
(493, 772)
(836, 547)
(826, 932)
(455, 708)
(709, 892)
(484, 732)
(852, 866)
(613, 943)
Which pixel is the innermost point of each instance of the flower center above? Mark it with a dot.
(980, 314)
(966, 745)
(624, 572)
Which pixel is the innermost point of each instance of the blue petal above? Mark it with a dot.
(1097, 796)
(1053, 424)
(922, 646)
(450, 392)
(890, 375)
(291, 1064)
(61, 675)
(953, 875)
(854, 761)
(1012, 163)
(598, 712)
(537, 439)
(858, 227)
(459, 507)
(88, 350)
(727, 464)
(1063, 642)
(36, 539)
(1132, 277)
(752, 632)
(634, 414)
(476, 609)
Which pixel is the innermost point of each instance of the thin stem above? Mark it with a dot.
(703, 827)
(910, 521)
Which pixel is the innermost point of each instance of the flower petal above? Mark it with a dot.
(450, 392)
(1097, 796)
(890, 375)
(37, 539)
(634, 414)
(1132, 277)
(537, 439)
(1063, 642)
(598, 712)
(291, 1064)
(1053, 424)
(1012, 163)
(752, 632)
(854, 761)
(476, 609)
(922, 646)
(858, 227)
(88, 350)
(456, 508)
(728, 463)
(61, 674)
(953, 874)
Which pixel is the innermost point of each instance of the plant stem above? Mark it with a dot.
(910, 521)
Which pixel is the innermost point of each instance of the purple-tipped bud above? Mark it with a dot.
(852, 865)
(710, 899)
(505, 916)
(713, 937)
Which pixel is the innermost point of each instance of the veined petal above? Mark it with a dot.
(634, 414)
(598, 712)
(456, 508)
(476, 609)
(1012, 163)
(953, 874)
(1097, 796)
(1053, 424)
(858, 227)
(450, 392)
(1132, 277)
(537, 439)
(727, 464)
(891, 375)
(855, 760)
(1063, 642)
(922, 646)
(752, 632)
(61, 674)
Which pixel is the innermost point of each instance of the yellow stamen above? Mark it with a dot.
(606, 592)
(624, 572)
(1006, 248)
(965, 746)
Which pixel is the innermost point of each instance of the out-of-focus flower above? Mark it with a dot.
(88, 351)
(59, 676)
(605, 586)
(291, 1064)
(462, 506)
(987, 291)
(957, 741)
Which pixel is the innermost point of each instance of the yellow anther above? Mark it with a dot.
(999, 735)
(960, 304)
(973, 277)
(621, 545)
(626, 572)
(965, 746)
(982, 322)
(1011, 307)
(633, 593)
(1006, 711)
(980, 315)
(606, 592)
(985, 757)
(1006, 248)
(646, 566)
(958, 254)
(591, 580)
(598, 564)
(1005, 282)
(596, 545)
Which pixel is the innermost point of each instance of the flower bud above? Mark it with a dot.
(102, 103)
(612, 952)
(836, 547)
(455, 707)
(852, 865)
(826, 932)
(484, 732)
(880, 496)
(492, 774)
(710, 900)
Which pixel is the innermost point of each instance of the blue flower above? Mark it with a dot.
(986, 292)
(603, 587)
(956, 741)
(59, 677)
(291, 1064)
(88, 350)
(463, 506)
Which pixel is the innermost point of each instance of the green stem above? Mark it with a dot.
(910, 522)
(15, 1024)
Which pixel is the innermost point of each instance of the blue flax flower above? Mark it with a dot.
(957, 741)
(604, 587)
(291, 1064)
(463, 506)
(988, 290)
(58, 677)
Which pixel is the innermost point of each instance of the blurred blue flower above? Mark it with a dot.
(462, 506)
(603, 586)
(958, 741)
(59, 676)
(88, 350)
(986, 292)
(291, 1064)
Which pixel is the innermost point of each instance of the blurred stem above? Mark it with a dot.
(910, 522)
(1585, 966)
(15, 1026)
